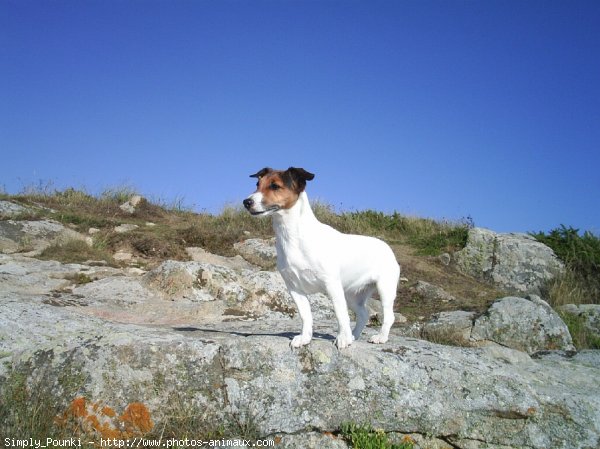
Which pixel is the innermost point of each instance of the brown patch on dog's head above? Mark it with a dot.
(279, 189)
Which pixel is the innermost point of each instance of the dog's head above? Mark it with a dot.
(276, 190)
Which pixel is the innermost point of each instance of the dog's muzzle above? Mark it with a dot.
(257, 209)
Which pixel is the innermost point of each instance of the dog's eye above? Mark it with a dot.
(274, 186)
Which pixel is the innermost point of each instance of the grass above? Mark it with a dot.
(76, 251)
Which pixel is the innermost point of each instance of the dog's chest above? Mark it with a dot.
(299, 270)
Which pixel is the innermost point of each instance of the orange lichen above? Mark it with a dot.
(82, 416)
(78, 408)
(137, 418)
(106, 410)
(407, 439)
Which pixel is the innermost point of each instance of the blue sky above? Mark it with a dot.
(442, 109)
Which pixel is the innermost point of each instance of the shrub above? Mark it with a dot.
(583, 336)
(581, 255)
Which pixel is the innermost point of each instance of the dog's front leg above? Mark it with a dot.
(307, 322)
(336, 294)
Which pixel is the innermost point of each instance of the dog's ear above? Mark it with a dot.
(261, 173)
(298, 178)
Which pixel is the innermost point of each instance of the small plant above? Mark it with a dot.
(364, 436)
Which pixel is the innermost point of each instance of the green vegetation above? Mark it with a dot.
(429, 237)
(581, 255)
(364, 436)
(583, 337)
(76, 251)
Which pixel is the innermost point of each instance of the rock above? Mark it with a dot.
(235, 263)
(516, 263)
(196, 281)
(248, 294)
(245, 372)
(528, 325)
(130, 205)
(258, 252)
(123, 256)
(432, 292)
(33, 236)
(127, 227)
(92, 231)
(445, 259)
(450, 328)
(8, 209)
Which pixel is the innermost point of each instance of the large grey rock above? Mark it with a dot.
(33, 236)
(245, 371)
(529, 325)
(516, 263)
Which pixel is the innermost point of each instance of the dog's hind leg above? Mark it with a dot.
(358, 304)
(387, 293)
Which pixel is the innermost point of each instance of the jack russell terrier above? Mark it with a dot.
(312, 257)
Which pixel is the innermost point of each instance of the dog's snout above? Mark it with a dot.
(248, 203)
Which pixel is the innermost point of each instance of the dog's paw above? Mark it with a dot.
(300, 340)
(343, 341)
(378, 339)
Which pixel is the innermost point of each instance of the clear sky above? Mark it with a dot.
(442, 109)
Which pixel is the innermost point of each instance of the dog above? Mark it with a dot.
(312, 257)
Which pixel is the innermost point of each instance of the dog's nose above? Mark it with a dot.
(248, 203)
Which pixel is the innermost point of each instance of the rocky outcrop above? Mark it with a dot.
(33, 236)
(516, 263)
(210, 339)
(124, 339)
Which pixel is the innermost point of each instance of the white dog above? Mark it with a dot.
(313, 257)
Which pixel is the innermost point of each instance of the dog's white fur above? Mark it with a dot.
(313, 257)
